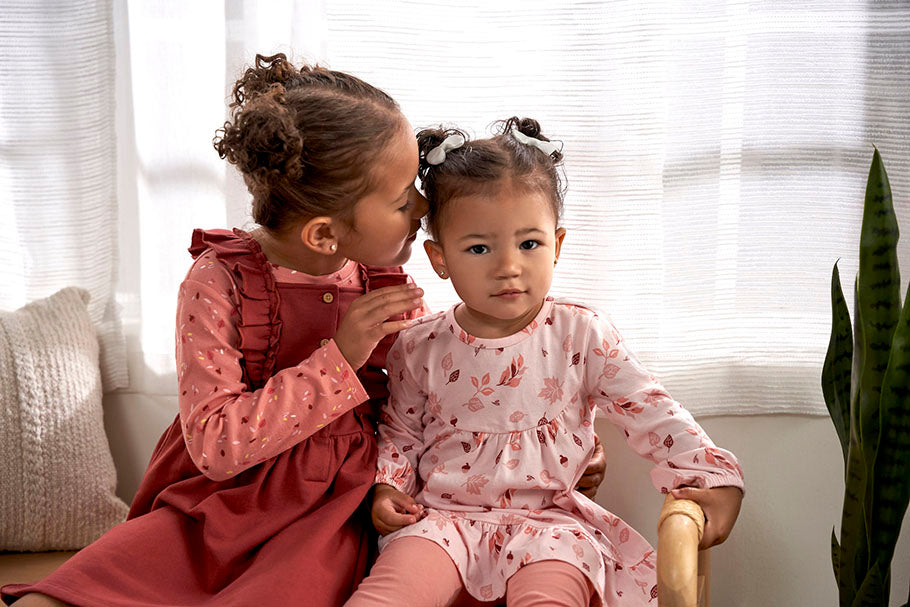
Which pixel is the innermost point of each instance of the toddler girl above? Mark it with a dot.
(491, 415)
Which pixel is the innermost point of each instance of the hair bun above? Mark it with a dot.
(428, 139)
(525, 126)
(263, 141)
(529, 127)
(262, 77)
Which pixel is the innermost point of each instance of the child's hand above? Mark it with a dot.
(721, 507)
(593, 475)
(393, 509)
(364, 324)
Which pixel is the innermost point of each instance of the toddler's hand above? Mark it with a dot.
(593, 475)
(393, 509)
(721, 507)
(364, 324)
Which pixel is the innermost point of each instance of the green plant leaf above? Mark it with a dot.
(870, 591)
(878, 300)
(856, 514)
(853, 560)
(891, 491)
(838, 365)
(876, 314)
(835, 555)
(858, 362)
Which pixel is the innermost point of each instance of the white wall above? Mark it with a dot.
(779, 553)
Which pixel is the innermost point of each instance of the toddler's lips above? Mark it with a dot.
(510, 294)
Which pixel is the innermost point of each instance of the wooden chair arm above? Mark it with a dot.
(681, 582)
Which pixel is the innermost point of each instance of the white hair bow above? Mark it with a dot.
(547, 147)
(438, 154)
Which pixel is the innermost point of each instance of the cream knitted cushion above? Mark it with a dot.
(57, 477)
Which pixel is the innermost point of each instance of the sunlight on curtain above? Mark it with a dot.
(57, 203)
(170, 94)
(716, 154)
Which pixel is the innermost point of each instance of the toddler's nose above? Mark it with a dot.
(508, 266)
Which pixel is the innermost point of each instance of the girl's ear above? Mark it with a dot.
(320, 234)
(560, 235)
(437, 259)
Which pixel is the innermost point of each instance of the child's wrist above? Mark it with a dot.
(382, 489)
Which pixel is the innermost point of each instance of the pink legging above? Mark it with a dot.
(416, 572)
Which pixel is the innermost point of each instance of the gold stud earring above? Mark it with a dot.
(442, 273)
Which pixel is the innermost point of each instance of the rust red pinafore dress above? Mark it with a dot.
(293, 530)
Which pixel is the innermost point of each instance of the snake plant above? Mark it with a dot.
(866, 385)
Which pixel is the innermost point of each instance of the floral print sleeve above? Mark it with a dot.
(656, 426)
(401, 438)
(227, 427)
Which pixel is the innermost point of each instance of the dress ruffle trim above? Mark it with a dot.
(259, 326)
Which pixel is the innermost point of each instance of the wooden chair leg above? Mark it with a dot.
(679, 580)
(704, 578)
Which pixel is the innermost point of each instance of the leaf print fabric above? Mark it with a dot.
(511, 375)
(475, 483)
(494, 453)
(552, 390)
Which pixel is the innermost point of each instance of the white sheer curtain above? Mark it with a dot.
(716, 156)
(58, 211)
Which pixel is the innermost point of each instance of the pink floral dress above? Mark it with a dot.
(492, 435)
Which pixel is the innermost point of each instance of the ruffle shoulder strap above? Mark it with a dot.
(259, 326)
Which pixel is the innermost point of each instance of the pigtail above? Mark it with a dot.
(529, 127)
(427, 139)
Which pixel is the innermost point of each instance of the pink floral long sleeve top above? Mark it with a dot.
(492, 435)
(227, 427)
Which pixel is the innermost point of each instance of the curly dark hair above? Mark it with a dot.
(306, 140)
(481, 165)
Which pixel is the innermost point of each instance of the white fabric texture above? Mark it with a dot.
(716, 156)
(57, 480)
(57, 180)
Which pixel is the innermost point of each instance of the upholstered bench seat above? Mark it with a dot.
(25, 567)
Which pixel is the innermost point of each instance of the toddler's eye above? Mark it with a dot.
(530, 244)
(406, 206)
(478, 249)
